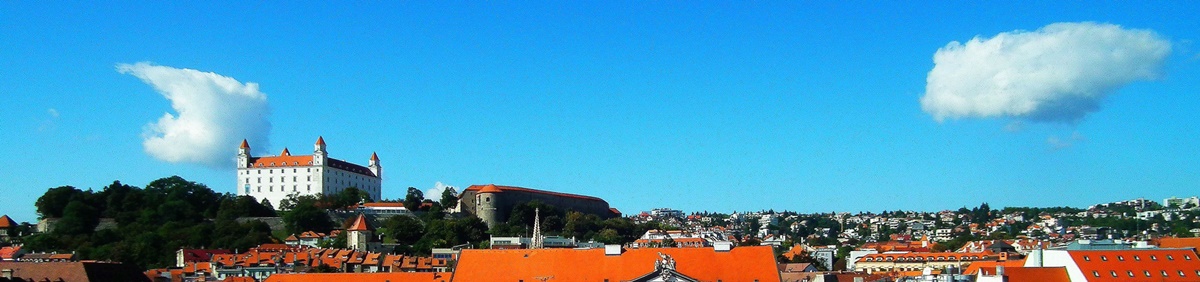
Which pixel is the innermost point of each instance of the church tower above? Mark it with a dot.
(319, 153)
(358, 234)
(243, 156)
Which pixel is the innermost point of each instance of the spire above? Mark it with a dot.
(321, 140)
(360, 224)
(537, 230)
(374, 157)
(285, 152)
(245, 145)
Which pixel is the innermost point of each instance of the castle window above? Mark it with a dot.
(260, 189)
(310, 187)
(1121, 258)
(1113, 273)
(270, 188)
(1147, 272)
(1164, 273)
(1169, 257)
(259, 179)
(293, 179)
(1137, 258)
(1103, 258)
(1095, 273)
(1181, 273)
(1130, 272)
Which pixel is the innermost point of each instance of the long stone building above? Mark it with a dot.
(493, 203)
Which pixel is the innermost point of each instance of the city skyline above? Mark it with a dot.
(811, 107)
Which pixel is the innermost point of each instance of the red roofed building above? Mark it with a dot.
(1162, 265)
(185, 256)
(275, 177)
(613, 264)
(71, 272)
(492, 203)
(362, 277)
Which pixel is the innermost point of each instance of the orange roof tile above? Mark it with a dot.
(975, 266)
(374, 157)
(1039, 274)
(368, 277)
(245, 144)
(1162, 265)
(320, 140)
(7, 222)
(360, 224)
(1172, 242)
(739, 264)
(383, 205)
(489, 189)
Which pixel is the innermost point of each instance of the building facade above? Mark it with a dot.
(274, 178)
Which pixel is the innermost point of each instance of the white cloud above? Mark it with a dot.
(435, 193)
(215, 113)
(49, 124)
(53, 113)
(1061, 72)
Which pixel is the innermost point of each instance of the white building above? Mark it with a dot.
(275, 177)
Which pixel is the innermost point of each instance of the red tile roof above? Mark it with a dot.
(704, 264)
(365, 277)
(245, 144)
(492, 188)
(1161, 264)
(7, 253)
(7, 222)
(1172, 242)
(360, 224)
(374, 157)
(1038, 274)
(320, 140)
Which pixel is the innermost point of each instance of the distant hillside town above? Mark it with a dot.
(316, 218)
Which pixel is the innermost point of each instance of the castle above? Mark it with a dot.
(493, 203)
(273, 178)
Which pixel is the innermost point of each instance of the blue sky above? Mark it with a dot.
(807, 106)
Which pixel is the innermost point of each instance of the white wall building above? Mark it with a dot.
(275, 177)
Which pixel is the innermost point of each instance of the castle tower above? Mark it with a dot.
(243, 156)
(319, 153)
(358, 234)
(374, 165)
(485, 204)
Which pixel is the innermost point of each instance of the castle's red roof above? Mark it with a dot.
(489, 189)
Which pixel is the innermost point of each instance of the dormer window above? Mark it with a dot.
(1086, 258)
(1169, 257)
(1103, 258)
(1121, 258)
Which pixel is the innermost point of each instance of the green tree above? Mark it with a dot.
(406, 230)
(449, 198)
(413, 199)
(78, 218)
(306, 215)
(54, 202)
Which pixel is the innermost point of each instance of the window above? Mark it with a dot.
(1187, 257)
(1121, 258)
(1113, 273)
(1095, 273)
(1164, 273)
(260, 189)
(1181, 274)
(1103, 258)
(1152, 257)
(1169, 257)
(1147, 272)
(1137, 258)
(1130, 272)
(1086, 258)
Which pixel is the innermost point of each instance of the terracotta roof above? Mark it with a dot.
(7, 222)
(975, 266)
(381, 276)
(374, 157)
(281, 161)
(383, 205)
(291, 238)
(245, 144)
(197, 255)
(1039, 274)
(7, 253)
(320, 140)
(947, 256)
(239, 279)
(1161, 264)
(1172, 242)
(488, 189)
(74, 271)
(360, 224)
(285, 152)
(704, 264)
